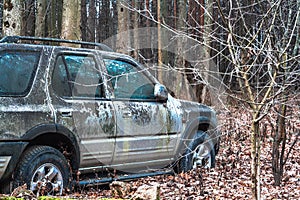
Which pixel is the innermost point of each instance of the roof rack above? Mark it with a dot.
(15, 39)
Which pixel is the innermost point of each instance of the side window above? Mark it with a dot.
(76, 76)
(128, 82)
(60, 81)
(17, 70)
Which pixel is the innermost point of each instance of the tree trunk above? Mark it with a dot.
(181, 85)
(147, 52)
(279, 138)
(192, 18)
(71, 19)
(159, 43)
(12, 17)
(123, 40)
(105, 27)
(54, 19)
(135, 19)
(40, 19)
(206, 21)
(28, 18)
(91, 21)
(163, 43)
(255, 156)
(83, 21)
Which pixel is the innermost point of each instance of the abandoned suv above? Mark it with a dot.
(78, 115)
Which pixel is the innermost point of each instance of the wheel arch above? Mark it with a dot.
(196, 131)
(56, 136)
(201, 123)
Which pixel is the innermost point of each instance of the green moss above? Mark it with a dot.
(10, 198)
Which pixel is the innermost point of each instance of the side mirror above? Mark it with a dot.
(161, 92)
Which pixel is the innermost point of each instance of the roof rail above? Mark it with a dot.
(15, 39)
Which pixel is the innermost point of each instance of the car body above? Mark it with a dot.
(94, 111)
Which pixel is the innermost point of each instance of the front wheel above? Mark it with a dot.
(44, 169)
(199, 153)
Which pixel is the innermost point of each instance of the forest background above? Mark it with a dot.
(239, 56)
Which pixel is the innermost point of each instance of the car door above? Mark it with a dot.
(145, 136)
(82, 107)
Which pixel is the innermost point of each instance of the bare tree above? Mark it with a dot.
(259, 50)
(289, 21)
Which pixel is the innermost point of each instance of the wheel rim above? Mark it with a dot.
(47, 179)
(202, 156)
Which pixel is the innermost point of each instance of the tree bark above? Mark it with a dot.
(279, 138)
(123, 40)
(12, 17)
(91, 21)
(28, 17)
(40, 19)
(135, 19)
(181, 84)
(83, 21)
(71, 19)
(147, 52)
(206, 21)
(159, 43)
(255, 157)
(54, 18)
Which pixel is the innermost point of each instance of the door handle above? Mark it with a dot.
(127, 114)
(66, 114)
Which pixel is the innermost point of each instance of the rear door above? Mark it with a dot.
(82, 107)
(144, 138)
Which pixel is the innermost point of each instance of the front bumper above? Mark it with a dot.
(10, 153)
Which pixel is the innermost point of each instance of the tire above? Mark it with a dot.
(44, 169)
(200, 153)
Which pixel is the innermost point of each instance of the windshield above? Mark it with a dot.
(17, 69)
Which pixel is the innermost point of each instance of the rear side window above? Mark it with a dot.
(77, 76)
(17, 70)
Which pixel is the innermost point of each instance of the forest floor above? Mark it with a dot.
(230, 179)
